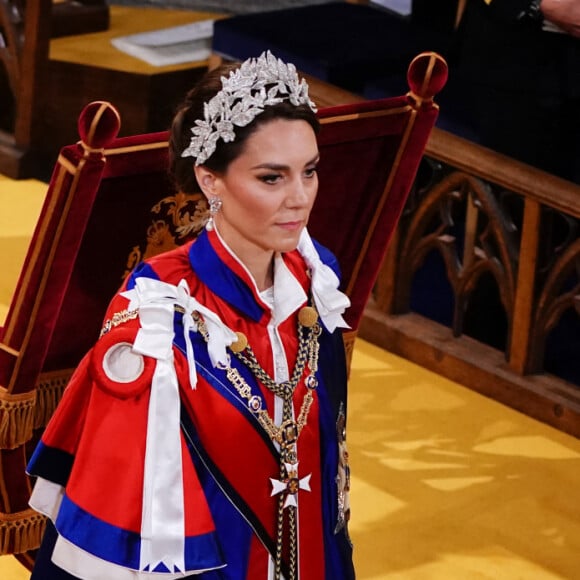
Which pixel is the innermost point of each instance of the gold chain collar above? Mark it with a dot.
(286, 434)
(308, 349)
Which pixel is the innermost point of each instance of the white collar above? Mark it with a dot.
(288, 292)
(330, 302)
(289, 295)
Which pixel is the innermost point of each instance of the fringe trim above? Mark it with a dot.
(21, 531)
(16, 418)
(348, 338)
(49, 390)
(21, 413)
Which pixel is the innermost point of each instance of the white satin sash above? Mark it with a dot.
(163, 518)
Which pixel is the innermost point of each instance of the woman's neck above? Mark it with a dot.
(259, 262)
(261, 270)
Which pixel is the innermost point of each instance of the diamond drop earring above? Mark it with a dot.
(215, 203)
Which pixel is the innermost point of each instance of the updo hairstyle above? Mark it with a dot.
(192, 108)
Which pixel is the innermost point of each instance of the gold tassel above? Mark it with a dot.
(21, 531)
(16, 418)
(49, 390)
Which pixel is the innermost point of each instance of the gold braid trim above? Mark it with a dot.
(49, 390)
(16, 418)
(21, 531)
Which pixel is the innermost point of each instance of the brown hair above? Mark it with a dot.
(180, 168)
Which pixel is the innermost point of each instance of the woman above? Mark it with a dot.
(204, 432)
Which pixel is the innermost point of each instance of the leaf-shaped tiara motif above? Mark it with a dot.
(256, 84)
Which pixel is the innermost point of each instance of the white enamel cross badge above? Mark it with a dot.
(291, 484)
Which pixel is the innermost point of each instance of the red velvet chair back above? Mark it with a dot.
(370, 152)
(110, 204)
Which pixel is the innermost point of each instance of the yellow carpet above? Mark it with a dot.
(450, 485)
(446, 485)
(20, 202)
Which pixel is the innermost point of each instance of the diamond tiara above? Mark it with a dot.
(243, 96)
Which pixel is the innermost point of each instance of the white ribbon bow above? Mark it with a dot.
(329, 300)
(163, 519)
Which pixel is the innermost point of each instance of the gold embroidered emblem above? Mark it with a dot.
(343, 476)
(175, 220)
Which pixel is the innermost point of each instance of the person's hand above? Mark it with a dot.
(564, 14)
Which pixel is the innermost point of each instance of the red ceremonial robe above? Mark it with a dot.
(221, 512)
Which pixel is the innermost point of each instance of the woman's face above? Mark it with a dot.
(269, 190)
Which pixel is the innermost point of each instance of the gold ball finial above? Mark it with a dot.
(308, 316)
(240, 344)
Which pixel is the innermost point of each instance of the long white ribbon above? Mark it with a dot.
(329, 300)
(163, 519)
